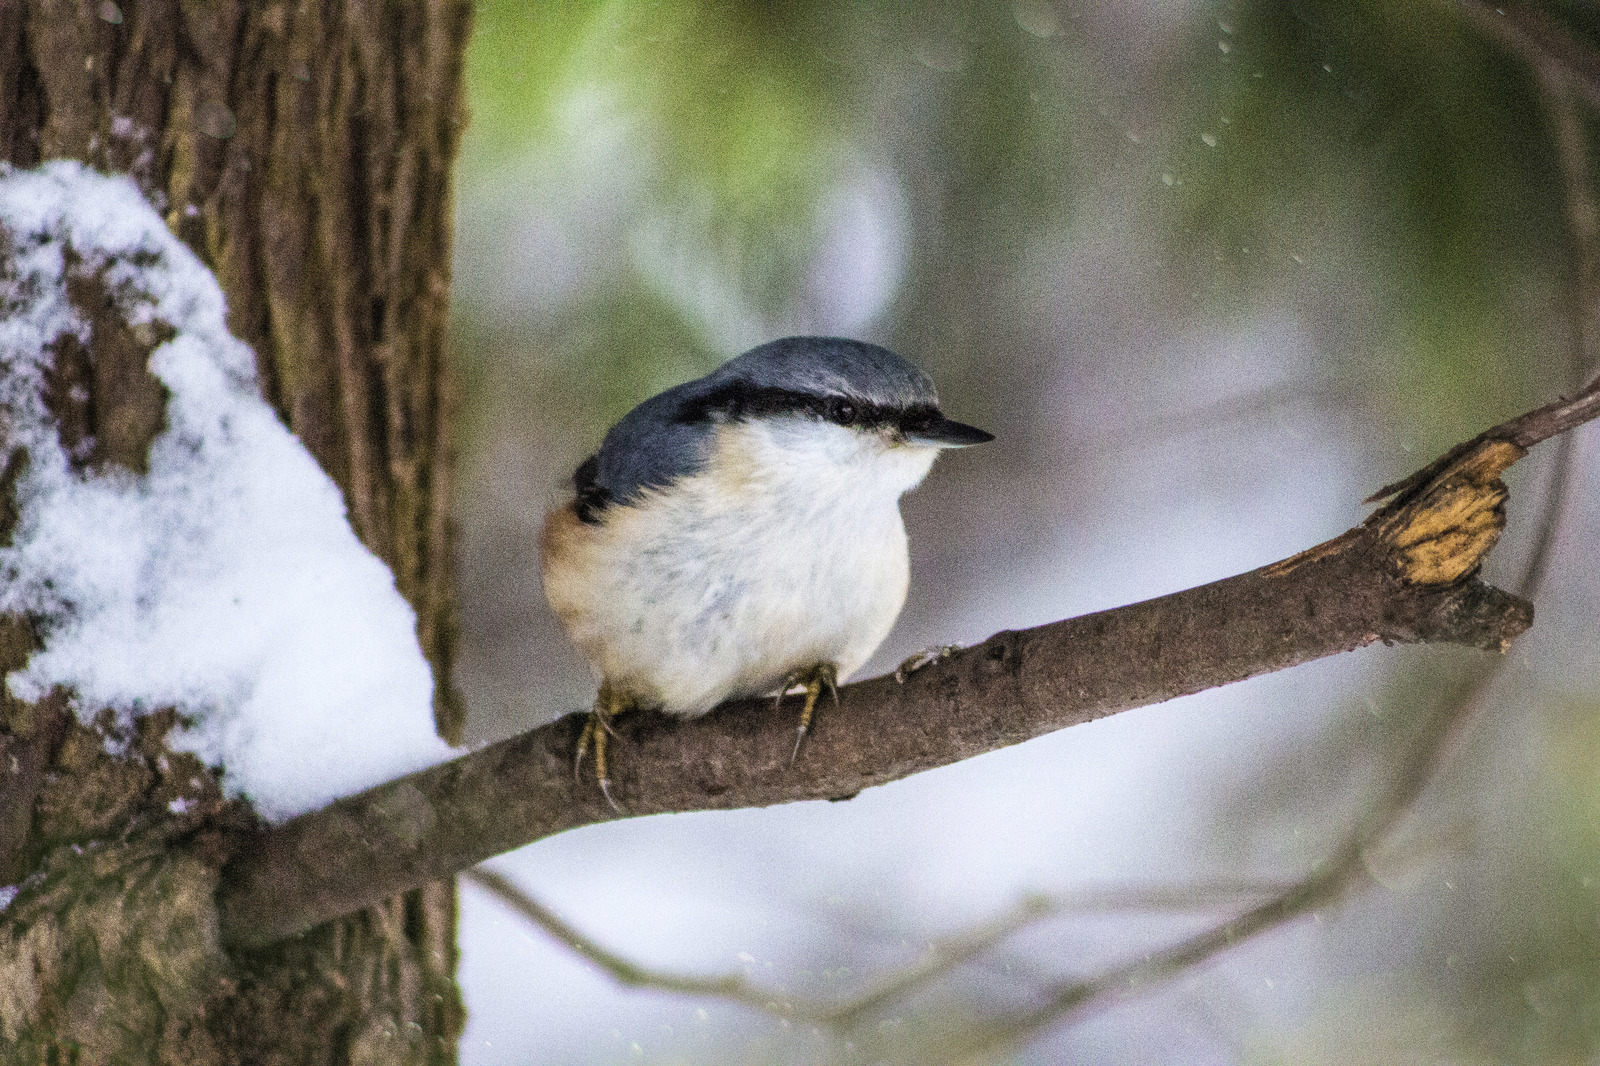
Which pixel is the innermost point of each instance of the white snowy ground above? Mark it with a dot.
(226, 581)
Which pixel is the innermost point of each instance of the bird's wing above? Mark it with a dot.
(650, 448)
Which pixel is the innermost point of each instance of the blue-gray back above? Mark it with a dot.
(669, 435)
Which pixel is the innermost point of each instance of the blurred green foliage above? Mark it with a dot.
(1279, 124)
(607, 337)
(1402, 105)
(1404, 124)
(734, 126)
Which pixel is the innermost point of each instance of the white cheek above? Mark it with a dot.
(820, 456)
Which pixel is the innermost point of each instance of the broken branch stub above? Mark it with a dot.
(1440, 531)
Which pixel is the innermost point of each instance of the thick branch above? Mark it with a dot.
(1404, 576)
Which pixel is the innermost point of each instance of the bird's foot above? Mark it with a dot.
(813, 679)
(925, 657)
(597, 730)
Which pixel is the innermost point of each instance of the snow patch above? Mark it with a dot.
(227, 581)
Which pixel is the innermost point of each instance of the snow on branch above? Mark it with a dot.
(184, 550)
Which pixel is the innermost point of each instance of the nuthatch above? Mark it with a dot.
(740, 534)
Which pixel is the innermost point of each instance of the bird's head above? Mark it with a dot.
(801, 415)
(830, 408)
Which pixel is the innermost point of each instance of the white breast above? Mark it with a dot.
(787, 550)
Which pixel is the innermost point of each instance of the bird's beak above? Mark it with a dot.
(947, 434)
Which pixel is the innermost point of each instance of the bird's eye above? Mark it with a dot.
(843, 412)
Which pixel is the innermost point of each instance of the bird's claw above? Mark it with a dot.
(819, 677)
(925, 657)
(583, 747)
(597, 730)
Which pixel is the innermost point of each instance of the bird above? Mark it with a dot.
(740, 534)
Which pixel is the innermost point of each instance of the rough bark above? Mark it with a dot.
(1406, 575)
(303, 151)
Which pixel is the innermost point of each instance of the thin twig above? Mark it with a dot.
(947, 954)
(943, 955)
(1559, 74)
(1335, 877)
(1540, 41)
(1583, 344)
(733, 987)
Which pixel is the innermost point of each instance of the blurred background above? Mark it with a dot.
(1211, 272)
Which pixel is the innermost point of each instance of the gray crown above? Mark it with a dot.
(826, 366)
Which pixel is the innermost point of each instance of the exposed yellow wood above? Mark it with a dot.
(1442, 533)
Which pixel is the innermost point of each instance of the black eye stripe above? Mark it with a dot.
(738, 401)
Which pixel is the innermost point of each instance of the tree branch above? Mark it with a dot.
(1406, 575)
(1561, 67)
(733, 986)
(1338, 875)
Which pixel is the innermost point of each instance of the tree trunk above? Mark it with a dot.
(303, 151)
